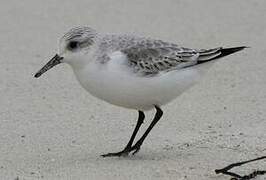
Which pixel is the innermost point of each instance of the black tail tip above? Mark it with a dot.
(224, 52)
(227, 51)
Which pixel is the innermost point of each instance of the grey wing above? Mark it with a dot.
(152, 60)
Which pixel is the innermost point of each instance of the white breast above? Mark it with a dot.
(116, 83)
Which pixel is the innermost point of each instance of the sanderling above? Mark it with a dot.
(133, 72)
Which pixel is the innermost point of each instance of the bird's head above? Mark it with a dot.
(72, 47)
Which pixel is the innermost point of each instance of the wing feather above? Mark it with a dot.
(152, 60)
(150, 56)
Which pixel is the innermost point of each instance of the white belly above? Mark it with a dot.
(114, 83)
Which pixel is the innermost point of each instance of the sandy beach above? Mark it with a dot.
(52, 129)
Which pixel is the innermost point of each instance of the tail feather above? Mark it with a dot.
(212, 54)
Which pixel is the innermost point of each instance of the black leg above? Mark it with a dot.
(156, 118)
(235, 176)
(129, 144)
(140, 121)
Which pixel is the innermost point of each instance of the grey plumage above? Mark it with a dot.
(151, 56)
(151, 60)
(83, 36)
(144, 55)
(124, 70)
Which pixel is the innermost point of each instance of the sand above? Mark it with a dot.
(50, 128)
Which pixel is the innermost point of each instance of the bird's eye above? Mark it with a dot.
(72, 45)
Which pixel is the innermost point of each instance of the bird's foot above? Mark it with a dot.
(125, 152)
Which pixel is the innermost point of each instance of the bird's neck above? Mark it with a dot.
(84, 59)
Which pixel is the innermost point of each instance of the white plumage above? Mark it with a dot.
(133, 72)
(116, 83)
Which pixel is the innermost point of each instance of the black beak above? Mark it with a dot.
(53, 62)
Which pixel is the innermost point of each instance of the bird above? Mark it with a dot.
(134, 72)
